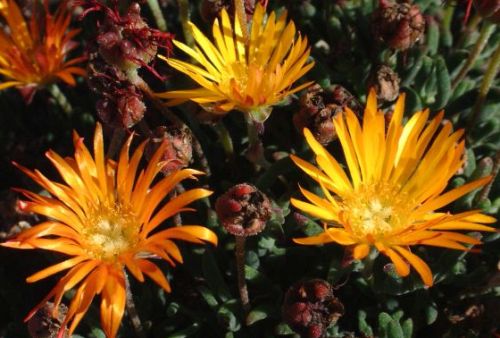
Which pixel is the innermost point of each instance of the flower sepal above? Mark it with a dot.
(260, 114)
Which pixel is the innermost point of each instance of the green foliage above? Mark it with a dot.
(205, 298)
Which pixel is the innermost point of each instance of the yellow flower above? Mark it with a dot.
(398, 175)
(250, 77)
(32, 53)
(106, 217)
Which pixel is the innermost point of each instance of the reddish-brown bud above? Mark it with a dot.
(385, 81)
(126, 41)
(243, 210)
(13, 216)
(489, 9)
(310, 308)
(319, 106)
(120, 103)
(44, 325)
(399, 25)
(178, 149)
(315, 331)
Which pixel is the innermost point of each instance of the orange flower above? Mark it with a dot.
(105, 217)
(398, 174)
(33, 54)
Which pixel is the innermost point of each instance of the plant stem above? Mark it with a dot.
(484, 35)
(471, 27)
(483, 195)
(489, 77)
(185, 17)
(61, 99)
(158, 15)
(224, 138)
(116, 141)
(177, 218)
(255, 151)
(240, 267)
(239, 6)
(132, 311)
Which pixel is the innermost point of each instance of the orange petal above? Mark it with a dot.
(401, 266)
(153, 272)
(422, 268)
(113, 300)
(330, 235)
(360, 251)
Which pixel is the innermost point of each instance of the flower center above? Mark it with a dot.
(245, 83)
(376, 210)
(111, 232)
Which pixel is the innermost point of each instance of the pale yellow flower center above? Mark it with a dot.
(111, 232)
(376, 210)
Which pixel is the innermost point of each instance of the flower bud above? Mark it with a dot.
(310, 308)
(399, 25)
(179, 147)
(489, 9)
(319, 106)
(126, 41)
(385, 81)
(120, 103)
(44, 325)
(243, 210)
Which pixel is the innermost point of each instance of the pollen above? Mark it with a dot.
(376, 210)
(111, 233)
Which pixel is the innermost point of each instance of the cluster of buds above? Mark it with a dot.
(124, 44)
(126, 41)
(179, 147)
(385, 81)
(319, 106)
(310, 308)
(210, 9)
(243, 210)
(121, 104)
(399, 25)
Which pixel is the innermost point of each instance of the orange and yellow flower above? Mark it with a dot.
(395, 188)
(248, 76)
(33, 54)
(106, 217)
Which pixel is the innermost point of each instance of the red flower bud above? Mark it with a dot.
(319, 106)
(399, 25)
(243, 210)
(120, 103)
(126, 41)
(385, 81)
(310, 307)
(179, 148)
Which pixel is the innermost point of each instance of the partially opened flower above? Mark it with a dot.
(106, 217)
(250, 76)
(33, 54)
(394, 193)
